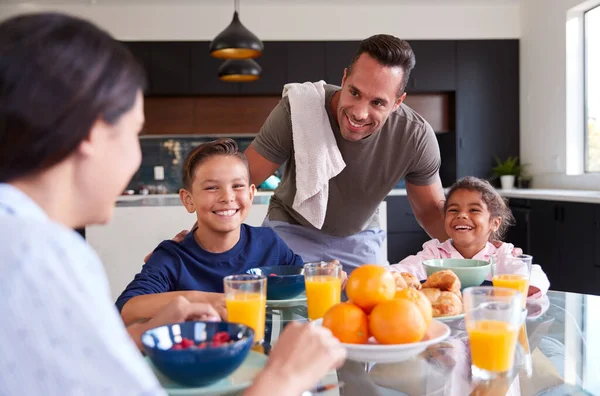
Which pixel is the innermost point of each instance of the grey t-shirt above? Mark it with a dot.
(405, 147)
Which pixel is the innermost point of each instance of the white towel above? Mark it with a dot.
(317, 155)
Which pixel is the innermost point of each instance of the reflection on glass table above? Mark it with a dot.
(563, 338)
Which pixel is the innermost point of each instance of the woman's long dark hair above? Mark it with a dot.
(58, 76)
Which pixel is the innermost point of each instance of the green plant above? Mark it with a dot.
(510, 166)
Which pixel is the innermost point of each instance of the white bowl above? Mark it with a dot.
(379, 353)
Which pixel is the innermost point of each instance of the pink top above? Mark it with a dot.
(435, 249)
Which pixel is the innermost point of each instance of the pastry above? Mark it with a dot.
(445, 280)
(443, 303)
(400, 282)
(411, 280)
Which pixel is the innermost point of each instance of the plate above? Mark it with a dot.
(290, 302)
(377, 353)
(238, 381)
(450, 318)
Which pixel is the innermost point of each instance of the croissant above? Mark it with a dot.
(443, 303)
(445, 280)
(405, 280)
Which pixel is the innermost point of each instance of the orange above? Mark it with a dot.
(370, 284)
(348, 323)
(418, 298)
(398, 321)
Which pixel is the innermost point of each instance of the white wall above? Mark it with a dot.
(298, 20)
(545, 135)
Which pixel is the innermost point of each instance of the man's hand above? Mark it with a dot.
(177, 238)
(303, 354)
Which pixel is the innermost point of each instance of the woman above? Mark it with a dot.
(71, 108)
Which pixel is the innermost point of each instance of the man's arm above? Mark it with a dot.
(148, 305)
(260, 167)
(427, 203)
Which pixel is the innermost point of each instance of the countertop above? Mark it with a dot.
(262, 197)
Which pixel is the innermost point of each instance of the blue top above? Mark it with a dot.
(60, 332)
(177, 266)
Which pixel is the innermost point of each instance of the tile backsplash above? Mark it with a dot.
(170, 152)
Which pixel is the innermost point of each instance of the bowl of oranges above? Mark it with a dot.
(380, 323)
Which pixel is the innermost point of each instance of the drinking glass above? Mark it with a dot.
(246, 301)
(323, 282)
(512, 272)
(493, 318)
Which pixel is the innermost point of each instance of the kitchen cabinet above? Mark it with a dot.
(305, 61)
(141, 50)
(519, 234)
(274, 71)
(405, 235)
(338, 55)
(435, 68)
(170, 68)
(487, 104)
(564, 239)
(205, 73)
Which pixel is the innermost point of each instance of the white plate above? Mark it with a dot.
(290, 302)
(450, 318)
(236, 382)
(377, 353)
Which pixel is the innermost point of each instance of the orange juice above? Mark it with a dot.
(513, 281)
(322, 292)
(248, 309)
(492, 345)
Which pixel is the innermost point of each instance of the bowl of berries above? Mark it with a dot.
(198, 353)
(283, 282)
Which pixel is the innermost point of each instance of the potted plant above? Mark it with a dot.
(507, 171)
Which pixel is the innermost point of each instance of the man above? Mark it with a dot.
(381, 140)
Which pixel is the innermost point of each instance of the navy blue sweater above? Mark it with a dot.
(186, 266)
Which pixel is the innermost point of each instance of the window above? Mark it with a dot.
(592, 89)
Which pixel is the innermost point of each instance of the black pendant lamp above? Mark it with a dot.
(236, 42)
(239, 70)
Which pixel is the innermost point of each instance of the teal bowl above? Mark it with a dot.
(470, 272)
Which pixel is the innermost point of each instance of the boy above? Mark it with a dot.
(216, 185)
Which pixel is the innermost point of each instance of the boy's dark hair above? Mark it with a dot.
(389, 51)
(496, 204)
(205, 151)
(58, 76)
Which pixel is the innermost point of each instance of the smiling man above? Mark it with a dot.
(381, 140)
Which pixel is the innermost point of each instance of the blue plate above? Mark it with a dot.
(236, 382)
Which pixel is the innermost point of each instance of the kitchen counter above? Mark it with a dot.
(262, 197)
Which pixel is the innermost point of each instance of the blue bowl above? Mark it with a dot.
(283, 282)
(197, 367)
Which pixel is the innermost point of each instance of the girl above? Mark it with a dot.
(474, 215)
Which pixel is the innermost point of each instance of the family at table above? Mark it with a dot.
(71, 109)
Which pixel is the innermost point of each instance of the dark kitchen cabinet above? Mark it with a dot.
(274, 71)
(205, 73)
(305, 61)
(404, 234)
(487, 104)
(403, 244)
(435, 67)
(564, 239)
(338, 55)
(520, 233)
(170, 68)
(141, 50)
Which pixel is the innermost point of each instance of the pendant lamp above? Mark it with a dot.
(236, 42)
(239, 70)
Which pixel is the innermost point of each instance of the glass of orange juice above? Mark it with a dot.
(512, 272)
(323, 281)
(246, 301)
(493, 318)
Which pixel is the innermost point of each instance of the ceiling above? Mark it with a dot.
(262, 2)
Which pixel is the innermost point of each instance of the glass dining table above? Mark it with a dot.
(563, 332)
